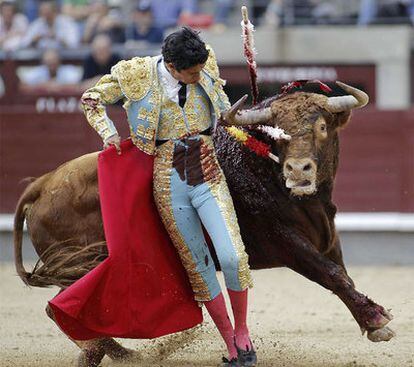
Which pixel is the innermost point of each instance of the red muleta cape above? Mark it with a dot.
(141, 290)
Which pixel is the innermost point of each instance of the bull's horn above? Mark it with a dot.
(355, 99)
(228, 116)
(246, 117)
(250, 117)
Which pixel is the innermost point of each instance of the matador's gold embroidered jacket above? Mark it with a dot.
(136, 82)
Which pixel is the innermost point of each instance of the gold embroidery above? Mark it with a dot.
(142, 113)
(145, 146)
(162, 194)
(211, 64)
(218, 186)
(154, 99)
(135, 76)
(151, 115)
(93, 101)
(147, 133)
(216, 95)
(197, 112)
(220, 96)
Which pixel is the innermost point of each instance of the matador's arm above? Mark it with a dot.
(94, 101)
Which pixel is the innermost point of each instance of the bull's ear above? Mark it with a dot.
(342, 119)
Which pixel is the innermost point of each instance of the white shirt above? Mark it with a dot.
(63, 33)
(11, 38)
(66, 74)
(169, 84)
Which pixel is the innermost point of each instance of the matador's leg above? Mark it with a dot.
(215, 207)
(183, 224)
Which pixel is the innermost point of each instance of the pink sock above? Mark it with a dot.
(218, 312)
(239, 306)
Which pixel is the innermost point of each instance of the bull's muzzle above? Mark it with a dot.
(300, 175)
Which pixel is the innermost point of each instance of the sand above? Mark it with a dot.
(293, 323)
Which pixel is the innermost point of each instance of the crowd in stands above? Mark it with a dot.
(77, 22)
(53, 25)
(71, 23)
(360, 12)
(51, 73)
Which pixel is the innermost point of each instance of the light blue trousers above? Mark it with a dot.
(184, 207)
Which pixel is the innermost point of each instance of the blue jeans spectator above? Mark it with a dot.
(222, 9)
(370, 9)
(31, 8)
(166, 13)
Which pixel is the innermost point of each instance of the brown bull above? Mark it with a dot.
(285, 211)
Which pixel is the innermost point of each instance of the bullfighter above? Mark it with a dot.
(173, 102)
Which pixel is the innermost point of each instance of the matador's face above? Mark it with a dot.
(187, 76)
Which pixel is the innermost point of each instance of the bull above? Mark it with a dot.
(285, 210)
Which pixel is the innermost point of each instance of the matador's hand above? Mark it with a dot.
(114, 140)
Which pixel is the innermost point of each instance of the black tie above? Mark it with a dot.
(182, 94)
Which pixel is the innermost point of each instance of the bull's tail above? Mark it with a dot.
(30, 194)
(63, 262)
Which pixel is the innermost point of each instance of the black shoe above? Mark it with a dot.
(232, 363)
(246, 358)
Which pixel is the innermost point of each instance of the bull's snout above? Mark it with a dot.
(298, 167)
(300, 174)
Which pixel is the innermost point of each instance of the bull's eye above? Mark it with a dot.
(321, 129)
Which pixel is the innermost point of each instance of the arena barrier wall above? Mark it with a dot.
(376, 171)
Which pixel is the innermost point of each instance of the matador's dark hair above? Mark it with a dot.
(184, 49)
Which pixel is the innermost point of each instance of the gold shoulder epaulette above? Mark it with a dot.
(134, 76)
(211, 64)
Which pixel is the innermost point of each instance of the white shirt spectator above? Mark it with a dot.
(10, 38)
(65, 74)
(64, 33)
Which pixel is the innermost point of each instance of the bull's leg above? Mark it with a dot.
(93, 351)
(117, 352)
(91, 354)
(335, 254)
(302, 257)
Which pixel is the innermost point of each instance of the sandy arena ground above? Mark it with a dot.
(293, 322)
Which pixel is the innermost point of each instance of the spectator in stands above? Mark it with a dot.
(222, 9)
(329, 12)
(51, 75)
(258, 10)
(142, 27)
(100, 61)
(104, 20)
(78, 10)
(31, 9)
(298, 12)
(13, 26)
(274, 13)
(291, 12)
(386, 11)
(167, 13)
(51, 29)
